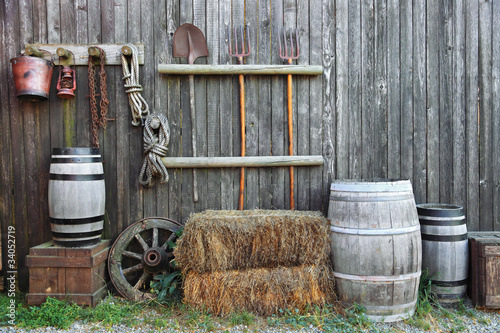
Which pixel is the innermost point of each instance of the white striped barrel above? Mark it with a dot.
(376, 246)
(76, 196)
(445, 250)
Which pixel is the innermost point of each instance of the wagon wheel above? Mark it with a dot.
(139, 253)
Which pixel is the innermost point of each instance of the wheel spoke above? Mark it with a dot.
(132, 269)
(141, 240)
(170, 239)
(142, 280)
(155, 237)
(132, 255)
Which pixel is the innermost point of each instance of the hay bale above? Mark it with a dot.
(262, 291)
(228, 240)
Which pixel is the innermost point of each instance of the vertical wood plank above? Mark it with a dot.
(445, 102)
(174, 115)
(148, 75)
(252, 109)
(159, 90)
(380, 116)
(419, 102)
(54, 36)
(485, 116)
(136, 199)
(302, 124)
(458, 106)
(471, 111)
(277, 116)
(433, 71)
(354, 106)
(18, 181)
(213, 137)
(200, 95)
(6, 172)
(228, 176)
(109, 149)
(394, 92)
(186, 16)
(322, 121)
(406, 86)
(123, 128)
(71, 11)
(367, 106)
(341, 52)
(263, 33)
(495, 122)
(77, 110)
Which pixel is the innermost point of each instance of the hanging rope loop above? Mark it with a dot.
(133, 89)
(155, 147)
(156, 133)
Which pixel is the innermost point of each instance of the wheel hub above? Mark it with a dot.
(155, 259)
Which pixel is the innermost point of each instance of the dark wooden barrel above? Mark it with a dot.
(76, 196)
(376, 246)
(445, 250)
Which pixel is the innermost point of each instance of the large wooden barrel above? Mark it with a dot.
(376, 246)
(445, 250)
(76, 196)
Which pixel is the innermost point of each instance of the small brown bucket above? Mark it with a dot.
(32, 76)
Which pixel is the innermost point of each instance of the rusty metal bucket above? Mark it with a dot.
(32, 76)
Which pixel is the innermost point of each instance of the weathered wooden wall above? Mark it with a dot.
(410, 89)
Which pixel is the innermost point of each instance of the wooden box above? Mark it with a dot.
(484, 268)
(76, 274)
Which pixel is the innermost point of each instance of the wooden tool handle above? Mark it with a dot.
(290, 138)
(243, 140)
(193, 130)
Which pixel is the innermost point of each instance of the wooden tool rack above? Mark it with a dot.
(246, 161)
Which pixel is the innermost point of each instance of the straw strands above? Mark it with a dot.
(228, 240)
(260, 290)
(256, 260)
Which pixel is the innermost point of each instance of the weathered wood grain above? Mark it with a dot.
(471, 111)
(459, 194)
(419, 102)
(393, 88)
(249, 69)
(486, 160)
(431, 114)
(238, 161)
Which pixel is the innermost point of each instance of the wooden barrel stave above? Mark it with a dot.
(376, 247)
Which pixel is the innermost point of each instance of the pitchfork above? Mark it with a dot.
(288, 44)
(239, 53)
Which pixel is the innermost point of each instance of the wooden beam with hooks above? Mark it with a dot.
(81, 52)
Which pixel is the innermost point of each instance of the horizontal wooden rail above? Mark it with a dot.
(183, 69)
(81, 52)
(241, 162)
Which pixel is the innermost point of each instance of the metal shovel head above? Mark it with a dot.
(189, 42)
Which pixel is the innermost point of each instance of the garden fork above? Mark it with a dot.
(287, 43)
(239, 53)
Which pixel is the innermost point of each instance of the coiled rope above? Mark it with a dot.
(155, 147)
(156, 134)
(138, 105)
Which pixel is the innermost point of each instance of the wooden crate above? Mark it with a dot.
(76, 274)
(484, 269)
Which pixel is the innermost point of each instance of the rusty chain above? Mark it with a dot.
(96, 122)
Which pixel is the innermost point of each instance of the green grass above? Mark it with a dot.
(429, 315)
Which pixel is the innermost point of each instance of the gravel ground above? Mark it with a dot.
(481, 321)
